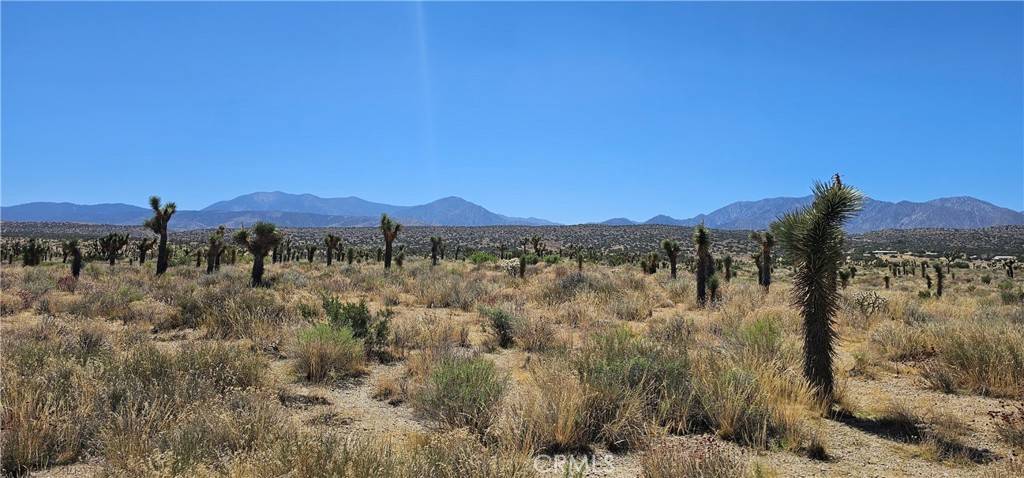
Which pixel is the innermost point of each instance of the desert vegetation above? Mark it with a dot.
(539, 354)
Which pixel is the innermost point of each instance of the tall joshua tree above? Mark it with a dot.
(112, 244)
(332, 243)
(649, 263)
(705, 262)
(435, 249)
(76, 256)
(259, 242)
(214, 248)
(144, 246)
(672, 251)
(764, 267)
(538, 244)
(158, 224)
(812, 239)
(939, 276)
(390, 229)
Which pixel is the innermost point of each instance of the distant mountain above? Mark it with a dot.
(619, 221)
(961, 212)
(449, 211)
(286, 210)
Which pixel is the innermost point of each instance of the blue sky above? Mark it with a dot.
(571, 112)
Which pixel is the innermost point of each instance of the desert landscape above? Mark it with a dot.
(539, 351)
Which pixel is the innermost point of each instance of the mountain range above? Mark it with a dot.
(307, 210)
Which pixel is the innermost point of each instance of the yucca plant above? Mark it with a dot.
(333, 243)
(713, 288)
(844, 278)
(350, 255)
(158, 224)
(435, 249)
(939, 276)
(111, 245)
(705, 262)
(214, 248)
(259, 242)
(143, 247)
(400, 256)
(310, 252)
(649, 263)
(32, 253)
(727, 263)
(672, 249)
(538, 245)
(75, 252)
(812, 239)
(390, 229)
(764, 260)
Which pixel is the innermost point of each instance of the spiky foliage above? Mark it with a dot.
(522, 267)
(390, 229)
(143, 247)
(764, 260)
(844, 278)
(538, 245)
(524, 242)
(400, 256)
(812, 239)
(350, 255)
(259, 242)
(713, 288)
(672, 250)
(939, 276)
(214, 248)
(727, 262)
(649, 262)
(158, 224)
(310, 252)
(75, 252)
(32, 253)
(332, 243)
(435, 249)
(111, 245)
(705, 262)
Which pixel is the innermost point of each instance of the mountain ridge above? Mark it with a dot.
(308, 210)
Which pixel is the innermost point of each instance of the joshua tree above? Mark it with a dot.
(853, 271)
(924, 268)
(350, 255)
(672, 249)
(144, 247)
(76, 256)
(215, 247)
(764, 267)
(158, 224)
(435, 249)
(813, 241)
(65, 250)
(1009, 268)
(939, 275)
(727, 262)
(522, 267)
(525, 242)
(310, 252)
(705, 262)
(32, 253)
(263, 238)
(886, 278)
(501, 250)
(332, 243)
(844, 278)
(649, 263)
(199, 257)
(111, 245)
(390, 229)
(538, 244)
(928, 281)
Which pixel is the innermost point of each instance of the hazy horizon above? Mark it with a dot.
(570, 112)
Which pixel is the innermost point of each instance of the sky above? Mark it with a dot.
(572, 112)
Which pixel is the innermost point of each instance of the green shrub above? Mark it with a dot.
(355, 316)
(461, 392)
(552, 259)
(502, 325)
(327, 353)
(480, 257)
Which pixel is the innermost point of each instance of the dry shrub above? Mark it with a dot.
(447, 289)
(703, 457)
(551, 416)
(327, 353)
(583, 310)
(898, 341)
(984, 358)
(633, 306)
(461, 391)
(1009, 423)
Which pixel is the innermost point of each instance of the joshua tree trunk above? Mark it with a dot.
(330, 255)
(76, 264)
(766, 268)
(161, 255)
(886, 282)
(387, 254)
(257, 270)
(672, 265)
(211, 260)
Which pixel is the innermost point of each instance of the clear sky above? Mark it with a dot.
(572, 112)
